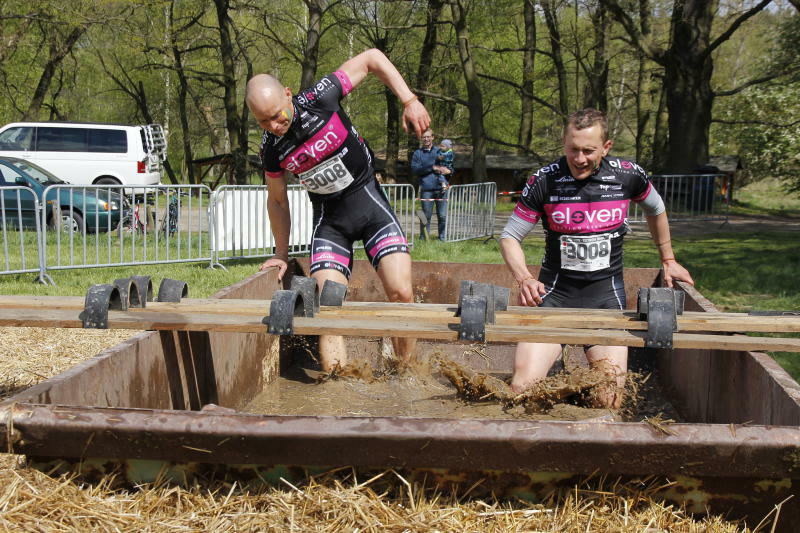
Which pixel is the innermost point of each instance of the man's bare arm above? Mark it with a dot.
(374, 61)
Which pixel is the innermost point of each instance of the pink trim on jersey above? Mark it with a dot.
(315, 150)
(645, 194)
(388, 241)
(278, 174)
(528, 215)
(344, 79)
(330, 256)
(586, 216)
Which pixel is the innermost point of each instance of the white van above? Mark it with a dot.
(78, 153)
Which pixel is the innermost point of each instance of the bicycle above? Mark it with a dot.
(133, 219)
(169, 223)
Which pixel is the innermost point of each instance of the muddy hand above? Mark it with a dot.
(531, 292)
(273, 262)
(674, 271)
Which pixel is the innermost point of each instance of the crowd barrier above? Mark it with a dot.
(107, 225)
(470, 211)
(690, 197)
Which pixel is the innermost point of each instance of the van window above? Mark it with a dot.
(16, 139)
(108, 141)
(61, 139)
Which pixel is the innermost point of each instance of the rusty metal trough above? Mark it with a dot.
(138, 405)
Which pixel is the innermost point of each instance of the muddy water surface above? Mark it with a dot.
(414, 393)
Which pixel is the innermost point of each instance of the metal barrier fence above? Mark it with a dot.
(241, 227)
(110, 225)
(690, 197)
(20, 231)
(470, 211)
(68, 227)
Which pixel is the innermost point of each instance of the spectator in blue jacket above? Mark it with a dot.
(424, 166)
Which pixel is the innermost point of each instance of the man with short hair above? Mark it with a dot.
(582, 200)
(309, 135)
(424, 165)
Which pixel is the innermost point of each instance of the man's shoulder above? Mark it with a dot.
(320, 90)
(555, 171)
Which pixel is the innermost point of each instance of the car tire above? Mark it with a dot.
(107, 180)
(71, 221)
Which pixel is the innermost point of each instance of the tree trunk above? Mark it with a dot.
(525, 134)
(644, 100)
(660, 139)
(183, 92)
(58, 50)
(392, 135)
(596, 94)
(688, 85)
(426, 62)
(474, 95)
(551, 19)
(311, 45)
(233, 121)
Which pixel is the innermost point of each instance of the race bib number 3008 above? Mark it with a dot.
(585, 253)
(326, 178)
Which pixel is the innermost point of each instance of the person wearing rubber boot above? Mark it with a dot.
(582, 200)
(309, 135)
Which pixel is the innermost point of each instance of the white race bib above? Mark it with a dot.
(585, 253)
(327, 178)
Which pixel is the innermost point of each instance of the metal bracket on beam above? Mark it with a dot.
(307, 288)
(333, 293)
(474, 310)
(496, 296)
(99, 299)
(284, 307)
(660, 307)
(172, 290)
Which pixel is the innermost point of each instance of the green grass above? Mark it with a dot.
(765, 197)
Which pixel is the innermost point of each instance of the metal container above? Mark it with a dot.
(135, 409)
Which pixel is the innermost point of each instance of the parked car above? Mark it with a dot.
(86, 154)
(74, 206)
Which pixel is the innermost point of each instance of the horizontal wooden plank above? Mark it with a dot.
(379, 327)
(444, 313)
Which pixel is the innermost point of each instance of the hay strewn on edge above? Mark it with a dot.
(33, 501)
(31, 355)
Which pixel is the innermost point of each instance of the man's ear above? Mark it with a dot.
(607, 147)
(288, 91)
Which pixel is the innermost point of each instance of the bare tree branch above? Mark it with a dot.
(749, 83)
(724, 36)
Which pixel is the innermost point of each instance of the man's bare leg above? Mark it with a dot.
(612, 361)
(532, 361)
(395, 273)
(331, 347)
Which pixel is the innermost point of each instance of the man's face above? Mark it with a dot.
(427, 140)
(274, 113)
(584, 150)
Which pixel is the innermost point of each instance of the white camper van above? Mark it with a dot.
(79, 153)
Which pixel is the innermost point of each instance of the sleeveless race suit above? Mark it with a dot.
(584, 223)
(334, 163)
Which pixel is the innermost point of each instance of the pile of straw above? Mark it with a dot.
(33, 501)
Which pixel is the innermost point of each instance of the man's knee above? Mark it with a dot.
(400, 293)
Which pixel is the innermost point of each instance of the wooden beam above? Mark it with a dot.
(444, 313)
(415, 327)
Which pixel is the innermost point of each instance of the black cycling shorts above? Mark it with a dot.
(608, 293)
(364, 215)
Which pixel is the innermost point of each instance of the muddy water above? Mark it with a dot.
(415, 393)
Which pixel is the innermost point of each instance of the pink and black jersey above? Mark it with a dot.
(321, 147)
(584, 220)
